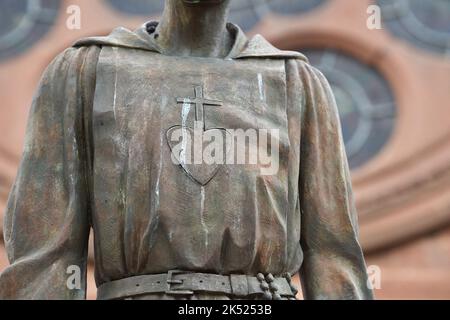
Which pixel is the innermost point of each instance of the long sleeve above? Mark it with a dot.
(333, 266)
(46, 227)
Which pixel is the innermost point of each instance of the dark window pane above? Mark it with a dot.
(23, 23)
(425, 24)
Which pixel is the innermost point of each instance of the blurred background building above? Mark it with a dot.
(392, 86)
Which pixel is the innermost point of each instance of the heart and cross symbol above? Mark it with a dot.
(200, 173)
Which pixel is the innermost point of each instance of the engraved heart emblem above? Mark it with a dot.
(200, 153)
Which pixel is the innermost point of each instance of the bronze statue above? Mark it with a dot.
(101, 152)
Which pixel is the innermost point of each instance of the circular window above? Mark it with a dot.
(23, 23)
(426, 24)
(365, 101)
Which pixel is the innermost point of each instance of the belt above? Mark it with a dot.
(185, 283)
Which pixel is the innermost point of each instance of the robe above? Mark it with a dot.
(97, 155)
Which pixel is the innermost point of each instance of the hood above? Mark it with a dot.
(257, 47)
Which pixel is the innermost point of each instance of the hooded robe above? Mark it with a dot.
(97, 156)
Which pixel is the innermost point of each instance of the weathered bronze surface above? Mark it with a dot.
(98, 155)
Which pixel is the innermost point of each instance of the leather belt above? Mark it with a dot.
(177, 282)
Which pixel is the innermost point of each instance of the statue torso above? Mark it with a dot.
(150, 214)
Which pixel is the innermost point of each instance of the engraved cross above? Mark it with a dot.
(200, 102)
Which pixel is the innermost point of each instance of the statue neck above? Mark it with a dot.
(194, 30)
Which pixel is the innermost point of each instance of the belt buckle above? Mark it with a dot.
(170, 281)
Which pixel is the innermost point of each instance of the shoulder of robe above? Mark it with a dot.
(318, 90)
(121, 37)
(256, 47)
(259, 47)
(315, 75)
(70, 60)
(70, 74)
